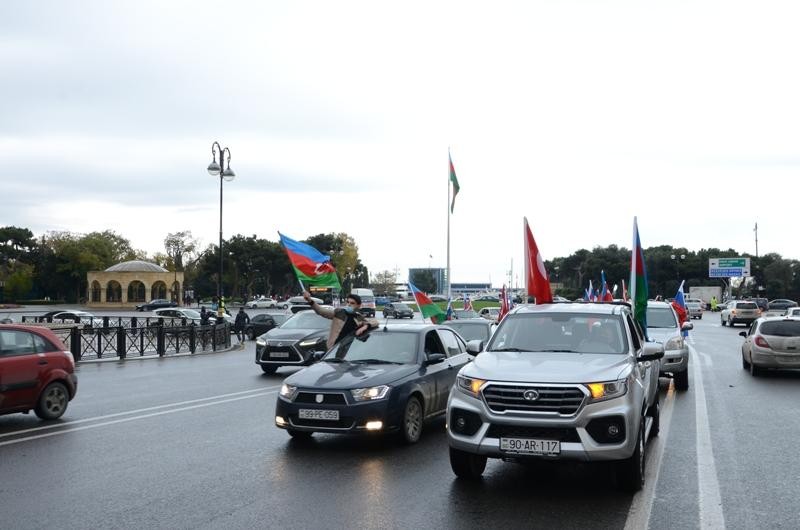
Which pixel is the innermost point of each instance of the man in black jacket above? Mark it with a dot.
(242, 319)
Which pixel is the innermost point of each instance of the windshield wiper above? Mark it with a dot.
(556, 351)
(333, 360)
(509, 349)
(373, 361)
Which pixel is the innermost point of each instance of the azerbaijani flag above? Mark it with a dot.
(310, 265)
(426, 306)
(454, 182)
(639, 293)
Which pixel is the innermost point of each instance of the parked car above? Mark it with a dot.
(473, 329)
(72, 316)
(694, 306)
(793, 312)
(293, 343)
(663, 326)
(437, 298)
(390, 380)
(155, 304)
(490, 313)
(178, 313)
(566, 381)
(487, 298)
(37, 372)
(367, 300)
(263, 302)
(260, 324)
(459, 314)
(397, 310)
(771, 342)
(382, 300)
(782, 303)
(298, 303)
(739, 312)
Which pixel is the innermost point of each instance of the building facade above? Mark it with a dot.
(127, 284)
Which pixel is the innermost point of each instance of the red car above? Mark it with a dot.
(36, 372)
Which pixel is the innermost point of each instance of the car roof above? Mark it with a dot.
(653, 303)
(610, 308)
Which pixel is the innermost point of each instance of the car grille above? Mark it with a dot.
(327, 399)
(288, 348)
(561, 400)
(563, 434)
(344, 422)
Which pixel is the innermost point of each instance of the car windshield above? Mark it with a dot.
(782, 328)
(465, 313)
(401, 307)
(661, 317)
(470, 331)
(190, 313)
(560, 332)
(376, 347)
(746, 305)
(306, 320)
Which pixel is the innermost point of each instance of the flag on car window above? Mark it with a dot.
(605, 294)
(679, 304)
(426, 306)
(639, 292)
(310, 265)
(503, 304)
(536, 278)
(453, 181)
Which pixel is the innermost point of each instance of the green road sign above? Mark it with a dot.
(725, 263)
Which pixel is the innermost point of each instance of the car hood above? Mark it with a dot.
(662, 335)
(548, 367)
(293, 334)
(325, 375)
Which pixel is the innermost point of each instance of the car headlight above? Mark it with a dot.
(310, 342)
(675, 343)
(371, 393)
(470, 385)
(288, 391)
(607, 390)
(261, 343)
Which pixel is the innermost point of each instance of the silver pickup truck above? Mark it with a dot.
(568, 381)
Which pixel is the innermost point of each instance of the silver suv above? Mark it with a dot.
(663, 326)
(567, 381)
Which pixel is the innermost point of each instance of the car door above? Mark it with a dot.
(457, 356)
(647, 372)
(438, 373)
(19, 369)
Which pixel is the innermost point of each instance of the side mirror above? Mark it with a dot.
(687, 326)
(435, 358)
(742, 333)
(652, 351)
(317, 355)
(474, 347)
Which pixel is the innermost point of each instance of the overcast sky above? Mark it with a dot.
(339, 115)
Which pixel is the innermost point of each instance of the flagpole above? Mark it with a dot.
(448, 221)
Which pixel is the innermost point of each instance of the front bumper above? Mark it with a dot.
(674, 361)
(353, 416)
(288, 354)
(576, 441)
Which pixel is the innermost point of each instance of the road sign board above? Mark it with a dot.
(728, 267)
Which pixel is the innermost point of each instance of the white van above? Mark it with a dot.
(367, 300)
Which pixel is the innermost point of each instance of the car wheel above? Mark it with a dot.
(655, 412)
(755, 371)
(467, 465)
(721, 320)
(52, 401)
(299, 435)
(630, 472)
(730, 322)
(384, 315)
(700, 317)
(682, 379)
(285, 306)
(251, 334)
(745, 364)
(269, 369)
(412, 421)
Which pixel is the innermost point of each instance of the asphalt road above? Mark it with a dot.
(189, 442)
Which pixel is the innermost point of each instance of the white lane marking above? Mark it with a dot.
(642, 504)
(710, 500)
(136, 411)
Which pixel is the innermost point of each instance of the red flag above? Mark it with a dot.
(503, 304)
(535, 274)
(624, 292)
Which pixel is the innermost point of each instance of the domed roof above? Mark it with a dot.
(136, 266)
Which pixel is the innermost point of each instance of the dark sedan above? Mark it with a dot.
(293, 343)
(260, 324)
(782, 303)
(155, 304)
(397, 310)
(391, 380)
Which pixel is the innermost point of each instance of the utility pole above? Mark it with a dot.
(756, 231)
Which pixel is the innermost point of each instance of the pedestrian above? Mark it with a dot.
(713, 303)
(242, 319)
(346, 319)
(204, 316)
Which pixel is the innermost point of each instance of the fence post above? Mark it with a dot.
(192, 338)
(160, 345)
(122, 348)
(75, 343)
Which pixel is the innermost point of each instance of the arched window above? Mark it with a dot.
(113, 291)
(95, 291)
(136, 291)
(159, 290)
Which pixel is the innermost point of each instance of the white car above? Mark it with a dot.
(177, 313)
(793, 312)
(490, 313)
(265, 302)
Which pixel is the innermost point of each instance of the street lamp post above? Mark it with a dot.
(227, 174)
(677, 258)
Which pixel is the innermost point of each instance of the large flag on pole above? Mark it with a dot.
(310, 265)
(536, 279)
(426, 306)
(639, 292)
(679, 304)
(605, 294)
(454, 182)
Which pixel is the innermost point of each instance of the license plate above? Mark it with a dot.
(279, 354)
(318, 414)
(527, 446)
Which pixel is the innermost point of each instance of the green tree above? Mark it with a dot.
(424, 280)
(383, 282)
